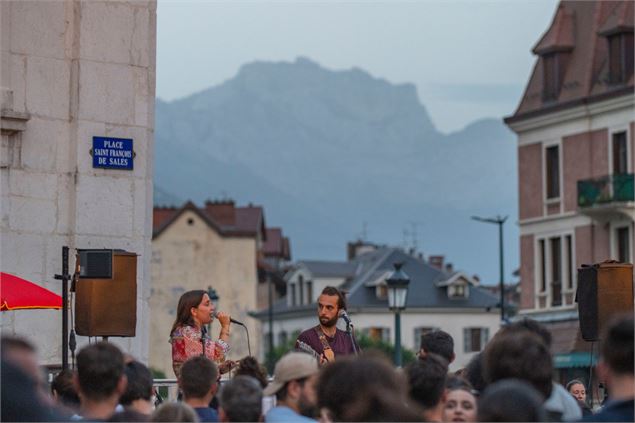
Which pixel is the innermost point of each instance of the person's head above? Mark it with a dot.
(174, 412)
(198, 378)
(437, 342)
(249, 366)
(100, 372)
(294, 382)
(533, 326)
(330, 302)
(474, 373)
(363, 388)
(577, 389)
(460, 403)
(63, 389)
(23, 354)
(21, 399)
(194, 309)
(426, 380)
(511, 400)
(241, 400)
(616, 353)
(139, 384)
(519, 354)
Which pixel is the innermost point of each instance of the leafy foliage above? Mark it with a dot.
(367, 343)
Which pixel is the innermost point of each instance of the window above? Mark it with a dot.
(556, 272)
(381, 291)
(623, 245)
(569, 261)
(554, 66)
(458, 290)
(620, 155)
(267, 342)
(377, 334)
(309, 292)
(553, 172)
(292, 295)
(543, 266)
(283, 337)
(620, 57)
(301, 285)
(474, 339)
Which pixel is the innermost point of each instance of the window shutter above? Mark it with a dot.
(386, 335)
(484, 337)
(466, 340)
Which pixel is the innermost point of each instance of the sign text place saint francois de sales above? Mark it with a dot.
(113, 153)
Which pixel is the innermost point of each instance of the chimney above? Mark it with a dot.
(357, 248)
(436, 262)
(449, 268)
(222, 211)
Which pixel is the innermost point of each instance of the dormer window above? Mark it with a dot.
(381, 291)
(620, 57)
(554, 65)
(457, 291)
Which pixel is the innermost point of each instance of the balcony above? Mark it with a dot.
(608, 197)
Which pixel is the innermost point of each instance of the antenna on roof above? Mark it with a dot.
(405, 238)
(415, 234)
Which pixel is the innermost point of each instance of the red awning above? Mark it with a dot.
(18, 294)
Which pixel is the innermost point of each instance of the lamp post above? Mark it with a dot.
(498, 221)
(397, 283)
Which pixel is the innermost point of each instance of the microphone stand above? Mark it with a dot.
(350, 331)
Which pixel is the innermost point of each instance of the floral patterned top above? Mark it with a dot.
(186, 342)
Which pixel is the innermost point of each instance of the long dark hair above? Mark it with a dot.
(186, 302)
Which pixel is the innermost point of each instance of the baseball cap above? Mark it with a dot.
(293, 366)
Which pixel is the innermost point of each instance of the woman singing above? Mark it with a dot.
(189, 336)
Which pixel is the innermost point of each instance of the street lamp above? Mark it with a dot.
(498, 221)
(397, 283)
(212, 294)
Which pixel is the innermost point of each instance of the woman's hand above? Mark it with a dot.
(223, 319)
(226, 366)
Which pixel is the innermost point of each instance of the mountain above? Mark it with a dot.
(324, 151)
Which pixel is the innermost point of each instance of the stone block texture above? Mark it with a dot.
(77, 69)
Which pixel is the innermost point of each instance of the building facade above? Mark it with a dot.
(71, 71)
(575, 125)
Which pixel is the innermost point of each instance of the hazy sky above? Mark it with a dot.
(468, 59)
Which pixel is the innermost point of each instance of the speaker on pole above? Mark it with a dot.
(604, 290)
(106, 293)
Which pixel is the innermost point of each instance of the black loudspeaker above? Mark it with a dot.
(107, 306)
(604, 290)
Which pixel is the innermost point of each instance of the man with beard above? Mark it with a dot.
(325, 339)
(294, 387)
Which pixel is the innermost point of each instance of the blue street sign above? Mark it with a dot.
(113, 153)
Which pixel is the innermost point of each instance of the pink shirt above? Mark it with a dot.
(186, 343)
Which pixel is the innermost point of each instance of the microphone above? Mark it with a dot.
(344, 316)
(215, 315)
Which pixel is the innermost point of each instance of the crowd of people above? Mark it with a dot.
(510, 380)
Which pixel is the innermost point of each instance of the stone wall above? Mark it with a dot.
(72, 70)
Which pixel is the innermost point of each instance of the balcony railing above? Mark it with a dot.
(606, 190)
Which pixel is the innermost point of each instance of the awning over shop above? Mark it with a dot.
(574, 359)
